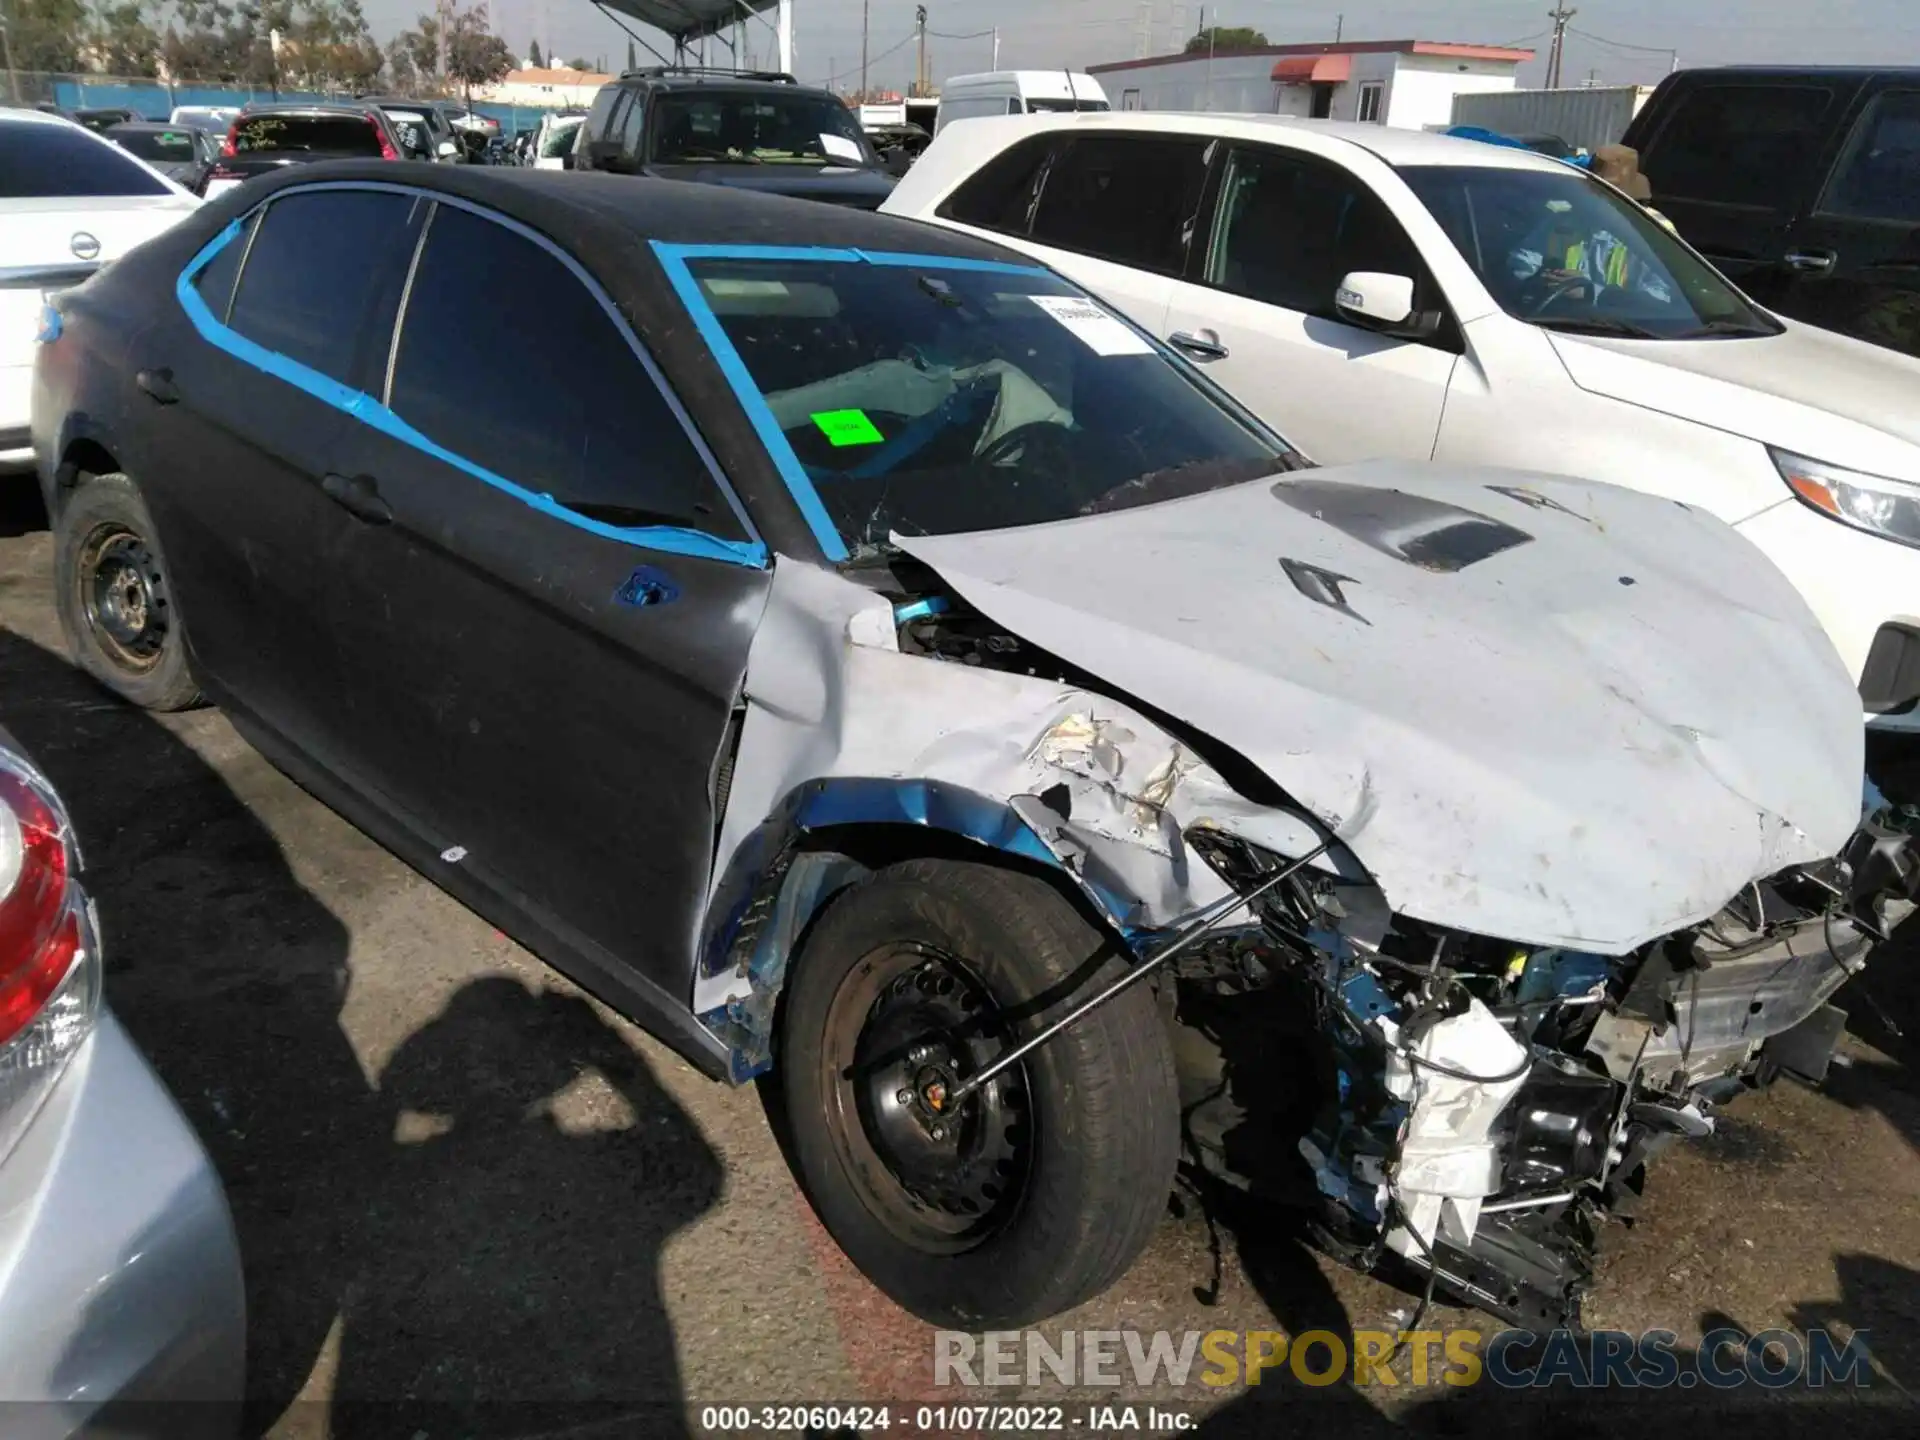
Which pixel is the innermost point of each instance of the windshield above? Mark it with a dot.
(163, 145)
(758, 128)
(39, 160)
(334, 134)
(929, 400)
(1561, 250)
(559, 138)
(1063, 106)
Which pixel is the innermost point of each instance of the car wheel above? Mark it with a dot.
(1039, 1190)
(116, 608)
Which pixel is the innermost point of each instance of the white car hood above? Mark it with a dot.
(1810, 391)
(1591, 738)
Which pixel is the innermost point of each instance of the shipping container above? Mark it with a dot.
(1585, 118)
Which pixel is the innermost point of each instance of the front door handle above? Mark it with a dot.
(1203, 346)
(158, 385)
(1811, 262)
(359, 496)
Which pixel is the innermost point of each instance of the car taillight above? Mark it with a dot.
(387, 152)
(49, 968)
(231, 145)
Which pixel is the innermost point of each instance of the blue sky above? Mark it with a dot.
(1051, 33)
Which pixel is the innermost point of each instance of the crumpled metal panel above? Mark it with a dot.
(1588, 740)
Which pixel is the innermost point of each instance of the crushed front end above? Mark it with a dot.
(1479, 1108)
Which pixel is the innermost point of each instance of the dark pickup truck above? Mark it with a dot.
(1801, 184)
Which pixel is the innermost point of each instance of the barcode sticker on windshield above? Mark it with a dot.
(1093, 326)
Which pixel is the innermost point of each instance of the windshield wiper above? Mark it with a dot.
(1732, 329)
(1597, 325)
(1196, 477)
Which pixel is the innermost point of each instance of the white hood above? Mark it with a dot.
(1591, 737)
(1810, 391)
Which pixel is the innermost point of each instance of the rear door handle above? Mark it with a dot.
(1811, 262)
(359, 496)
(1203, 346)
(158, 385)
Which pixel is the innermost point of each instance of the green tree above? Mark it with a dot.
(1226, 37)
(475, 55)
(534, 58)
(47, 34)
(578, 64)
(121, 40)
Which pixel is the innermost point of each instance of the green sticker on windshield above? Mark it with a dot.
(848, 427)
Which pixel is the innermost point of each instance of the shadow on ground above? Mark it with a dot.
(474, 1264)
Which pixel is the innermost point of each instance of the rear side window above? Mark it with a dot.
(39, 159)
(319, 264)
(324, 134)
(1128, 199)
(1746, 145)
(165, 145)
(588, 426)
(1290, 228)
(999, 195)
(216, 277)
(1878, 178)
(601, 111)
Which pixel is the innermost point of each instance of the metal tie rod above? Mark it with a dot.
(1209, 918)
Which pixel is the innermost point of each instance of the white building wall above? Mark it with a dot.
(1239, 84)
(1421, 97)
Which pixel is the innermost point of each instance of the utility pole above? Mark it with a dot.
(996, 50)
(1340, 28)
(865, 6)
(1560, 15)
(920, 68)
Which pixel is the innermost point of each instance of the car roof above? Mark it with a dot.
(1395, 147)
(308, 107)
(36, 117)
(673, 212)
(128, 127)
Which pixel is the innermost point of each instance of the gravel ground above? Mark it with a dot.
(473, 1202)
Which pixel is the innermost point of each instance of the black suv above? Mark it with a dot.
(750, 130)
(1801, 184)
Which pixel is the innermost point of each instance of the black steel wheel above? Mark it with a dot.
(1037, 1191)
(116, 606)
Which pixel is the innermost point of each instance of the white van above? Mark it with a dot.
(1018, 92)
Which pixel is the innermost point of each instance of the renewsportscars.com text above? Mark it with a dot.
(1512, 1359)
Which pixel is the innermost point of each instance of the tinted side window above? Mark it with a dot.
(630, 128)
(999, 195)
(1739, 144)
(1289, 229)
(601, 110)
(216, 277)
(1878, 177)
(39, 159)
(320, 261)
(1128, 199)
(587, 426)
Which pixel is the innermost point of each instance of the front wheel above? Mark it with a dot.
(1038, 1191)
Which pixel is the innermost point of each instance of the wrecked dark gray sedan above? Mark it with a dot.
(858, 655)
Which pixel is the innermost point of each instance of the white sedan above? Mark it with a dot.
(70, 202)
(1375, 292)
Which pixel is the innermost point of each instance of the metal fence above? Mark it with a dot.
(156, 99)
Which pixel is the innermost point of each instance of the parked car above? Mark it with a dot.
(440, 142)
(205, 117)
(553, 140)
(1802, 184)
(121, 1298)
(70, 201)
(180, 152)
(758, 131)
(271, 137)
(1384, 292)
(105, 116)
(1017, 92)
(974, 655)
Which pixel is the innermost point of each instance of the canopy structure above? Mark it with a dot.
(690, 21)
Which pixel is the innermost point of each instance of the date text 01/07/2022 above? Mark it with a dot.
(943, 1419)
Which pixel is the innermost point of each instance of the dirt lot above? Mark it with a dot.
(472, 1202)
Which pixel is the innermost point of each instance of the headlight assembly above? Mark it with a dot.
(1867, 502)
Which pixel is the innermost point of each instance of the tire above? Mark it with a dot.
(1077, 1145)
(111, 592)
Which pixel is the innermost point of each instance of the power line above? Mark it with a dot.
(876, 59)
(1621, 45)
